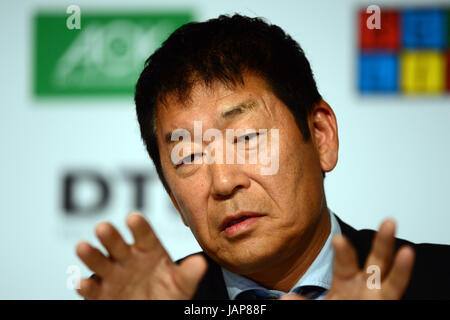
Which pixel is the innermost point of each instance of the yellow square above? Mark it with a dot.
(422, 72)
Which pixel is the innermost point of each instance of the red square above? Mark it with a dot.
(385, 38)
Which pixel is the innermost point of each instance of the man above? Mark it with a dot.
(263, 233)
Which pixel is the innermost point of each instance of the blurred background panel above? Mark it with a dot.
(71, 150)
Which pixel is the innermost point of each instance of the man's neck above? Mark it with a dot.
(285, 273)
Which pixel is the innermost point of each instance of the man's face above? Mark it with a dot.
(282, 207)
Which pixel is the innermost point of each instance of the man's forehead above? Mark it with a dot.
(222, 117)
(216, 105)
(192, 96)
(210, 92)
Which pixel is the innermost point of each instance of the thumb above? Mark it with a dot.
(190, 272)
(293, 296)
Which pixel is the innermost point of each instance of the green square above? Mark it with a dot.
(102, 58)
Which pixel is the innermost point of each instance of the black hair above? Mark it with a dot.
(223, 49)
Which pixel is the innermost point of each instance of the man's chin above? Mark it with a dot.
(245, 263)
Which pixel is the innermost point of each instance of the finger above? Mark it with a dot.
(189, 273)
(345, 263)
(143, 234)
(112, 241)
(292, 296)
(89, 289)
(398, 278)
(382, 248)
(94, 259)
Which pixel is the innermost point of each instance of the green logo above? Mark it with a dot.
(103, 56)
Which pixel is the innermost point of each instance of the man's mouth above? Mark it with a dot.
(239, 223)
(232, 223)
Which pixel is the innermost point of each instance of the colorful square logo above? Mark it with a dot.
(407, 51)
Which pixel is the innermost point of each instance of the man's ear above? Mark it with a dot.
(325, 135)
(175, 203)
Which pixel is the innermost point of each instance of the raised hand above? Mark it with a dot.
(351, 282)
(142, 270)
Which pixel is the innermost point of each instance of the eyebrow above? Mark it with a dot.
(226, 115)
(238, 109)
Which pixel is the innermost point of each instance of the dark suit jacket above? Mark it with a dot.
(430, 278)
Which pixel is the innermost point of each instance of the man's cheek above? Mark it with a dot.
(185, 220)
(198, 227)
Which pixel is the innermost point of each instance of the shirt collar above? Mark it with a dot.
(320, 273)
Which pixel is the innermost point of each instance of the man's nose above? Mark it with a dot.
(227, 179)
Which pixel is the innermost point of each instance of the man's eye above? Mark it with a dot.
(187, 160)
(247, 137)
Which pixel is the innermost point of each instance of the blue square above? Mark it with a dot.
(378, 73)
(423, 28)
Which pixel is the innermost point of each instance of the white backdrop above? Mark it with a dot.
(393, 157)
